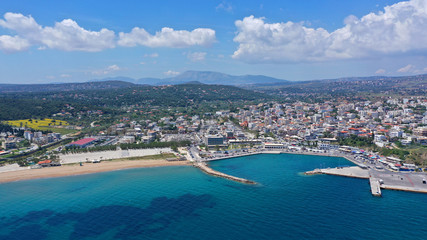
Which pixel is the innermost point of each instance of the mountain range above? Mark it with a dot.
(204, 77)
(252, 82)
(59, 87)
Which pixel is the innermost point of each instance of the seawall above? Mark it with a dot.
(205, 168)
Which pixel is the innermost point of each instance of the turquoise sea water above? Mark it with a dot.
(184, 203)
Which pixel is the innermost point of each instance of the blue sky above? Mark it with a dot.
(69, 41)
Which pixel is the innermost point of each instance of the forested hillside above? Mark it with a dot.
(19, 105)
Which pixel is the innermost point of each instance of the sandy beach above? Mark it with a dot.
(87, 168)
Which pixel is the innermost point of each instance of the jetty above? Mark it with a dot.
(354, 172)
(375, 187)
(411, 182)
(205, 168)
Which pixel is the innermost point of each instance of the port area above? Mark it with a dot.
(205, 168)
(380, 179)
(355, 172)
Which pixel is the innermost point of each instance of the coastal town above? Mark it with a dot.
(213, 120)
(376, 136)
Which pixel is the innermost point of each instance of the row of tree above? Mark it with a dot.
(125, 146)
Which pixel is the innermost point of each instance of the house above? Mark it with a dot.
(82, 143)
(48, 163)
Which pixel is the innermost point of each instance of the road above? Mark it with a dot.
(392, 179)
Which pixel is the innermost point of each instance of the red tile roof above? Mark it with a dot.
(83, 141)
(45, 161)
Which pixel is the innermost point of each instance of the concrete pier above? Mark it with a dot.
(375, 187)
(410, 182)
(354, 172)
(205, 168)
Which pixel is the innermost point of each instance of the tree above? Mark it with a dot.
(174, 148)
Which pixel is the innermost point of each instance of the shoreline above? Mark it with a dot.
(87, 168)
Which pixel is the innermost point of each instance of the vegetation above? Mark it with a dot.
(356, 141)
(74, 149)
(418, 156)
(7, 128)
(350, 88)
(37, 124)
(155, 145)
(126, 146)
(132, 100)
(150, 157)
(394, 152)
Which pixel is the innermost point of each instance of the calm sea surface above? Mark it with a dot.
(184, 203)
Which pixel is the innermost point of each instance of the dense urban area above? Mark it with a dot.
(219, 120)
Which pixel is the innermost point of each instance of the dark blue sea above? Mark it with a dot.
(184, 203)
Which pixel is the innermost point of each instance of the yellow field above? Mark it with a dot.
(37, 124)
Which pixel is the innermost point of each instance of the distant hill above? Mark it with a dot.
(26, 104)
(118, 78)
(203, 77)
(64, 87)
(404, 85)
(220, 78)
(415, 84)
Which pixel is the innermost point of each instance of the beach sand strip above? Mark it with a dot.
(87, 168)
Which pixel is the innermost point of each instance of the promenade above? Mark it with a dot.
(109, 155)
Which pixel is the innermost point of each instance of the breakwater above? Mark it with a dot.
(205, 168)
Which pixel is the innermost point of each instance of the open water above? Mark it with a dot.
(184, 203)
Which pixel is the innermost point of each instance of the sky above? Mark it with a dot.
(46, 41)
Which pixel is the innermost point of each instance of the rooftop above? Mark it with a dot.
(83, 141)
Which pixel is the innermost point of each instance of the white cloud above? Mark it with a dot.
(11, 44)
(224, 6)
(196, 56)
(113, 68)
(171, 73)
(153, 55)
(380, 71)
(65, 75)
(66, 35)
(167, 37)
(107, 70)
(407, 68)
(398, 29)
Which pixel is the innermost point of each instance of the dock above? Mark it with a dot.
(205, 168)
(375, 187)
(354, 172)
